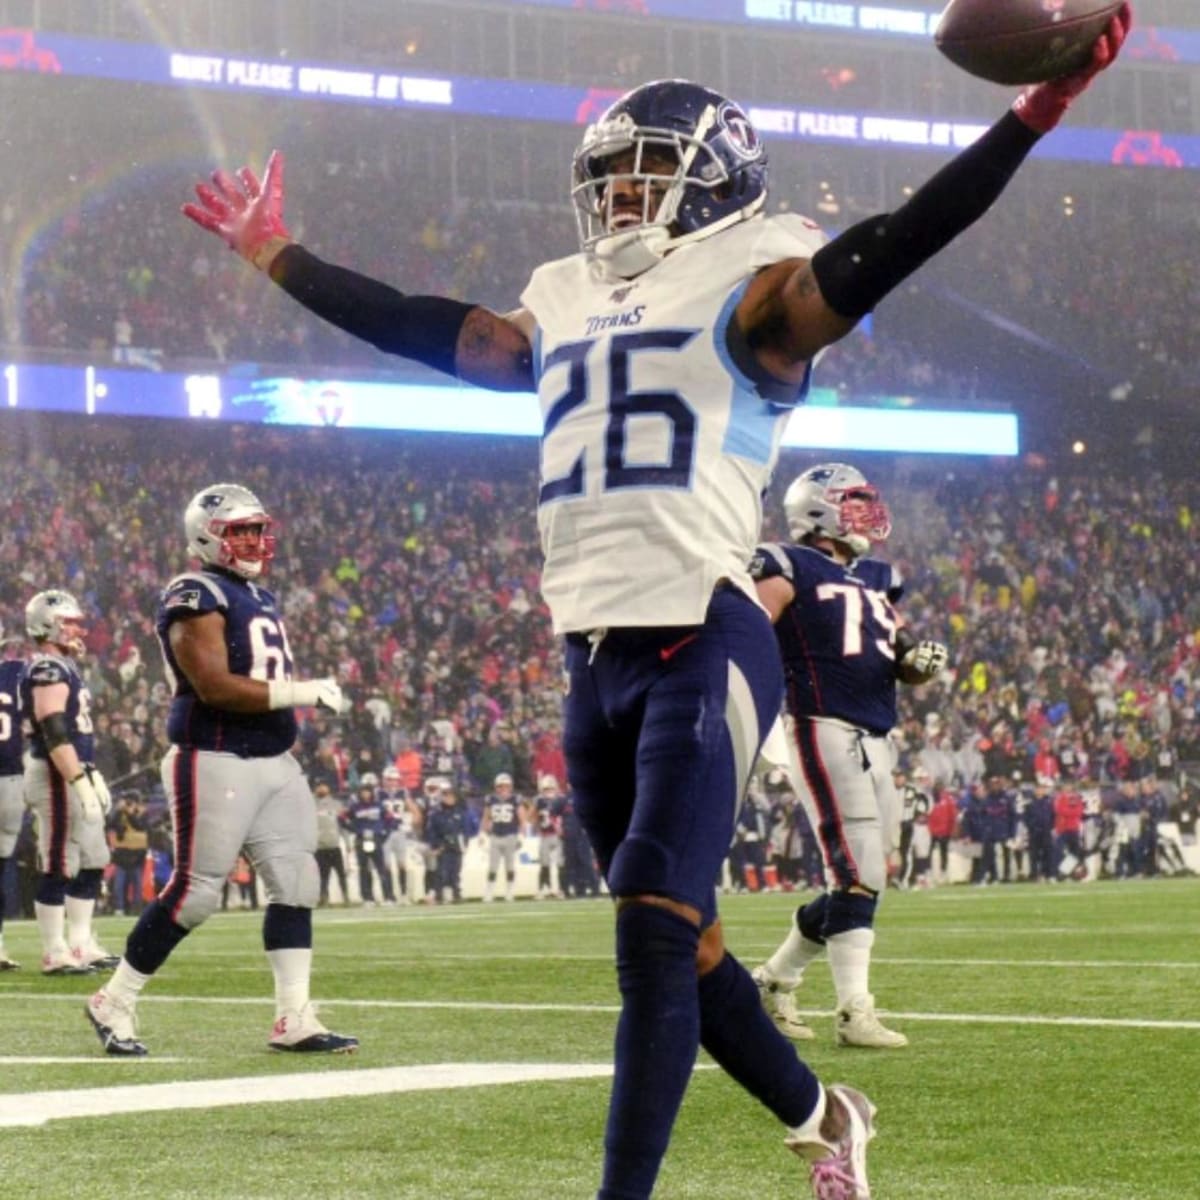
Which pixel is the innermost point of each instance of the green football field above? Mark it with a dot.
(1055, 1056)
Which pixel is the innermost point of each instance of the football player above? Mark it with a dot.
(502, 815)
(63, 787)
(843, 650)
(667, 355)
(369, 820)
(548, 809)
(229, 775)
(399, 808)
(12, 784)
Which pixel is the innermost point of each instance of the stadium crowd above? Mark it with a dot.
(408, 567)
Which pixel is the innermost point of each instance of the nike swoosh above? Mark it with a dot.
(668, 652)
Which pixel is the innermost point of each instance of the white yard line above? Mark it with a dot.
(36, 1108)
(602, 1009)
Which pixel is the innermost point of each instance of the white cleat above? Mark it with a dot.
(857, 1025)
(839, 1168)
(780, 1003)
(115, 1025)
(94, 956)
(64, 962)
(301, 1033)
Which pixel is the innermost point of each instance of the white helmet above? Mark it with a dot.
(369, 779)
(46, 612)
(392, 776)
(207, 519)
(835, 500)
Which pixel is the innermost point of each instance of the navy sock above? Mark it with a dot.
(658, 1034)
(152, 939)
(86, 885)
(736, 1031)
(287, 928)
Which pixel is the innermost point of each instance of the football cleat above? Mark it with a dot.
(63, 962)
(780, 1003)
(857, 1025)
(7, 964)
(301, 1033)
(115, 1025)
(94, 956)
(839, 1168)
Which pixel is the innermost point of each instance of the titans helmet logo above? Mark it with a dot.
(740, 134)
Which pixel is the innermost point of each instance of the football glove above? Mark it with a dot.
(1042, 106)
(927, 659)
(307, 693)
(245, 214)
(90, 789)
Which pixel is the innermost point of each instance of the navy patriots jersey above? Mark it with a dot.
(47, 669)
(11, 671)
(838, 635)
(505, 814)
(369, 816)
(258, 647)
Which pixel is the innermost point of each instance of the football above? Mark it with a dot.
(1021, 41)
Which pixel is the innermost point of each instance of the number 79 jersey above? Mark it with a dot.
(838, 635)
(257, 645)
(658, 439)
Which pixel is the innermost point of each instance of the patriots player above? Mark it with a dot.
(548, 809)
(843, 650)
(63, 787)
(230, 778)
(503, 813)
(667, 355)
(370, 821)
(399, 807)
(12, 784)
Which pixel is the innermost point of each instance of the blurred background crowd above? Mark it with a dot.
(1065, 584)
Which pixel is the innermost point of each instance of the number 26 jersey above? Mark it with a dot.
(658, 438)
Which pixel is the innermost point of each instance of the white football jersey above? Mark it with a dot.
(656, 445)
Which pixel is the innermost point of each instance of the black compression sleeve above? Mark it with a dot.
(860, 266)
(423, 328)
(54, 731)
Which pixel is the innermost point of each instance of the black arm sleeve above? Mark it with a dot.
(860, 266)
(54, 731)
(423, 328)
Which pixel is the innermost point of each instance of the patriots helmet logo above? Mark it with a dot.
(211, 502)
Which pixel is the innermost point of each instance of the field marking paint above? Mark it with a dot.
(610, 1009)
(50, 1060)
(37, 1108)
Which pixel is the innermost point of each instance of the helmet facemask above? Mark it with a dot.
(211, 522)
(835, 501)
(697, 197)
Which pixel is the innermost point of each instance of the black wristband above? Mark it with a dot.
(860, 266)
(423, 328)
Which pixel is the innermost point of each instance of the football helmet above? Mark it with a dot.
(45, 615)
(207, 519)
(392, 777)
(369, 780)
(835, 500)
(718, 174)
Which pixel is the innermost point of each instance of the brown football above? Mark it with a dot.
(1021, 41)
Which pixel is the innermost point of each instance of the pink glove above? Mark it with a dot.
(246, 215)
(1042, 106)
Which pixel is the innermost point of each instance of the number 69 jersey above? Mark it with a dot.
(658, 438)
(257, 646)
(837, 636)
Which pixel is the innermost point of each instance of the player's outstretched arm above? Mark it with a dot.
(794, 309)
(464, 340)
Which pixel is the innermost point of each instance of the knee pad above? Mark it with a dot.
(846, 911)
(201, 898)
(291, 880)
(655, 948)
(810, 919)
(639, 866)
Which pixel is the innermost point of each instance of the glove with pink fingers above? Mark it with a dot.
(245, 214)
